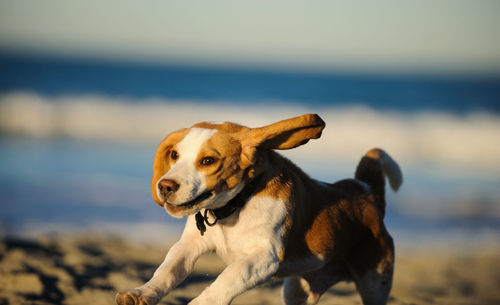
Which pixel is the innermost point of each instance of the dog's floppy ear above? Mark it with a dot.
(285, 134)
(160, 163)
(288, 133)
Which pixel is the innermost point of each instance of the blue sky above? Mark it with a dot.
(447, 35)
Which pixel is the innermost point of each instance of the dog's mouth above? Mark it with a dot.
(189, 204)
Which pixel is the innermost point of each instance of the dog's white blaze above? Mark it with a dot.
(189, 147)
(184, 172)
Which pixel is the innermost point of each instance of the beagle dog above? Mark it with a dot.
(266, 218)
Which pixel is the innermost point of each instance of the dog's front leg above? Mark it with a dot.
(239, 277)
(175, 268)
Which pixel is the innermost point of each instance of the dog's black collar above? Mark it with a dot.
(234, 204)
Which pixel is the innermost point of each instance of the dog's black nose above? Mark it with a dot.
(167, 185)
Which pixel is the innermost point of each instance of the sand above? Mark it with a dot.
(85, 270)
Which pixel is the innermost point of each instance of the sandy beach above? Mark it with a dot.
(90, 270)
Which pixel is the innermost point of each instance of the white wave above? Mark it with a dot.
(469, 142)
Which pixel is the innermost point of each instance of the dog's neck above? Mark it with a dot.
(227, 210)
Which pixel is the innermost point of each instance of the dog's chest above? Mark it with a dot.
(257, 227)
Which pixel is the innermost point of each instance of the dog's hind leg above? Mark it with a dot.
(297, 291)
(374, 287)
(309, 287)
(373, 276)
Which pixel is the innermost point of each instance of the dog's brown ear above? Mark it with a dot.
(286, 134)
(161, 164)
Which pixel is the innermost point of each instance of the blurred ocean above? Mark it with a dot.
(78, 138)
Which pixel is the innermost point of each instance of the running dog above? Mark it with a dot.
(266, 218)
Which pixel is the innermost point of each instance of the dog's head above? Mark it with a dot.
(207, 165)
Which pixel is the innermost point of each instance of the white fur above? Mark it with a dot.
(251, 250)
(184, 172)
(260, 224)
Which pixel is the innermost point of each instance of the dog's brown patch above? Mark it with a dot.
(162, 161)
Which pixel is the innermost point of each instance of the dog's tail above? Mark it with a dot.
(375, 165)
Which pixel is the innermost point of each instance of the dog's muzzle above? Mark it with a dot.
(168, 187)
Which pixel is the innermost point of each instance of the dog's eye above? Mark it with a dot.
(207, 161)
(174, 155)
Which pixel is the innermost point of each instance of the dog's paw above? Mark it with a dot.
(134, 297)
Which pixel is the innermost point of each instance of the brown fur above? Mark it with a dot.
(342, 222)
(330, 221)
(162, 161)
